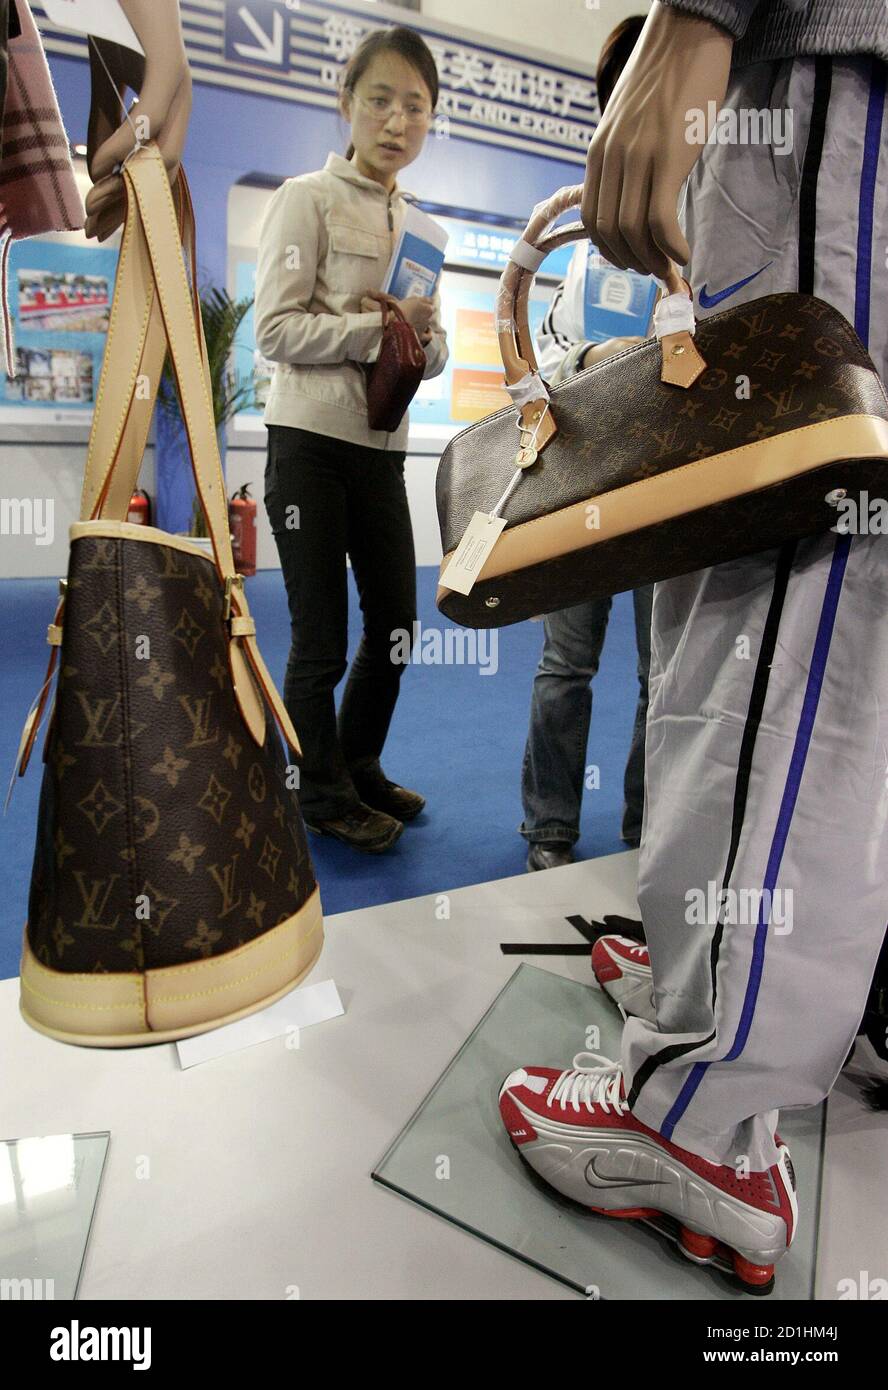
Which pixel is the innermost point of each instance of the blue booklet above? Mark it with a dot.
(616, 303)
(415, 267)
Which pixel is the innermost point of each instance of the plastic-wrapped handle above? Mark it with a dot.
(674, 318)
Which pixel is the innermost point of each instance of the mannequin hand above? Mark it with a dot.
(639, 157)
(599, 351)
(163, 81)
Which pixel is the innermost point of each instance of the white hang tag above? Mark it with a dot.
(481, 535)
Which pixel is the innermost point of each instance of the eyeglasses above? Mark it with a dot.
(380, 108)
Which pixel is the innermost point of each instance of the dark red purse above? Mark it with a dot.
(393, 379)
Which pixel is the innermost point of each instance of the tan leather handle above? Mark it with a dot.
(135, 349)
(150, 202)
(134, 356)
(151, 294)
(149, 190)
(682, 363)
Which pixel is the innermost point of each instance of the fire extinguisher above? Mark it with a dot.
(242, 520)
(139, 508)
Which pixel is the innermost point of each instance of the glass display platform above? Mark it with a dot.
(454, 1158)
(48, 1191)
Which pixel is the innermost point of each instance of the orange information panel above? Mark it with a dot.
(476, 393)
(476, 338)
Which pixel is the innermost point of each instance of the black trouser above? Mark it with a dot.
(350, 500)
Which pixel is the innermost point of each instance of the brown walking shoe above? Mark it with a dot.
(376, 790)
(362, 827)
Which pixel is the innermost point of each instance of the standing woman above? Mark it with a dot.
(333, 486)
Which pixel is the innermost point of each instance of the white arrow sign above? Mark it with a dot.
(270, 48)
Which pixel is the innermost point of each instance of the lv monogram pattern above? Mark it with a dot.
(618, 423)
(165, 833)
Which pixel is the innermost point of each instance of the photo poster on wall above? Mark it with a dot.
(60, 303)
(472, 383)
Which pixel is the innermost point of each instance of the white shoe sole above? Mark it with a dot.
(638, 1179)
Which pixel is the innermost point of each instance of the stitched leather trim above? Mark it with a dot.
(134, 531)
(682, 361)
(690, 488)
(161, 1005)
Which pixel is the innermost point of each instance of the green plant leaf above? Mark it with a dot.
(222, 317)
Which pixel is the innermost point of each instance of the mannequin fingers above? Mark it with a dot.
(647, 258)
(591, 187)
(113, 152)
(665, 230)
(105, 201)
(608, 237)
(146, 121)
(633, 217)
(102, 193)
(103, 225)
(167, 125)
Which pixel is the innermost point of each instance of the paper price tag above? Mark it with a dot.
(298, 1009)
(481, 535)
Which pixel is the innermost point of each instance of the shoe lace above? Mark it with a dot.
(634, 950)
(590, 1085)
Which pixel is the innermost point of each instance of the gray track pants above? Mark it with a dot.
(767, 735)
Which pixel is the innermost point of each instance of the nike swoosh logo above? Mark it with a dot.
(708, 301)
(596, 1179)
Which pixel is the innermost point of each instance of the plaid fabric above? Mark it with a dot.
(38, 191)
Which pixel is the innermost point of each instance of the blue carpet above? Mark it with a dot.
(457, 736)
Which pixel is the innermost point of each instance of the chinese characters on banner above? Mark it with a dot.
(295, 50)
(487, 92)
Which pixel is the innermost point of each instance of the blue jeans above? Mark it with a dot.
(553, 773)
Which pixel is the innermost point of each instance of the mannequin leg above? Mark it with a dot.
(758, 780)
(748, 1016)
(763, 870)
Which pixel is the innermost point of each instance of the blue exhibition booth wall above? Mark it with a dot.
(241, 137)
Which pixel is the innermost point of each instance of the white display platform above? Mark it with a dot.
(249, 1177)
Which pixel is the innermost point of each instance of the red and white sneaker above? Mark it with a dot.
(575, 1130)
(623, 969)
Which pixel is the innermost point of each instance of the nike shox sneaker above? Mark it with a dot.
(575, 1130)
(623, 969)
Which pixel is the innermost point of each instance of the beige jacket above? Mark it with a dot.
(327, 238)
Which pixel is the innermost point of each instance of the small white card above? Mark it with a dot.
(298, 1009)
(104, 19)
(481, 535)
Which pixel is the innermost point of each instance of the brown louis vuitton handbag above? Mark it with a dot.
(706, 443)
(395, 377)
(172, 888)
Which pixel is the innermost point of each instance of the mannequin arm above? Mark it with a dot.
(163, 82)
(640, 157)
